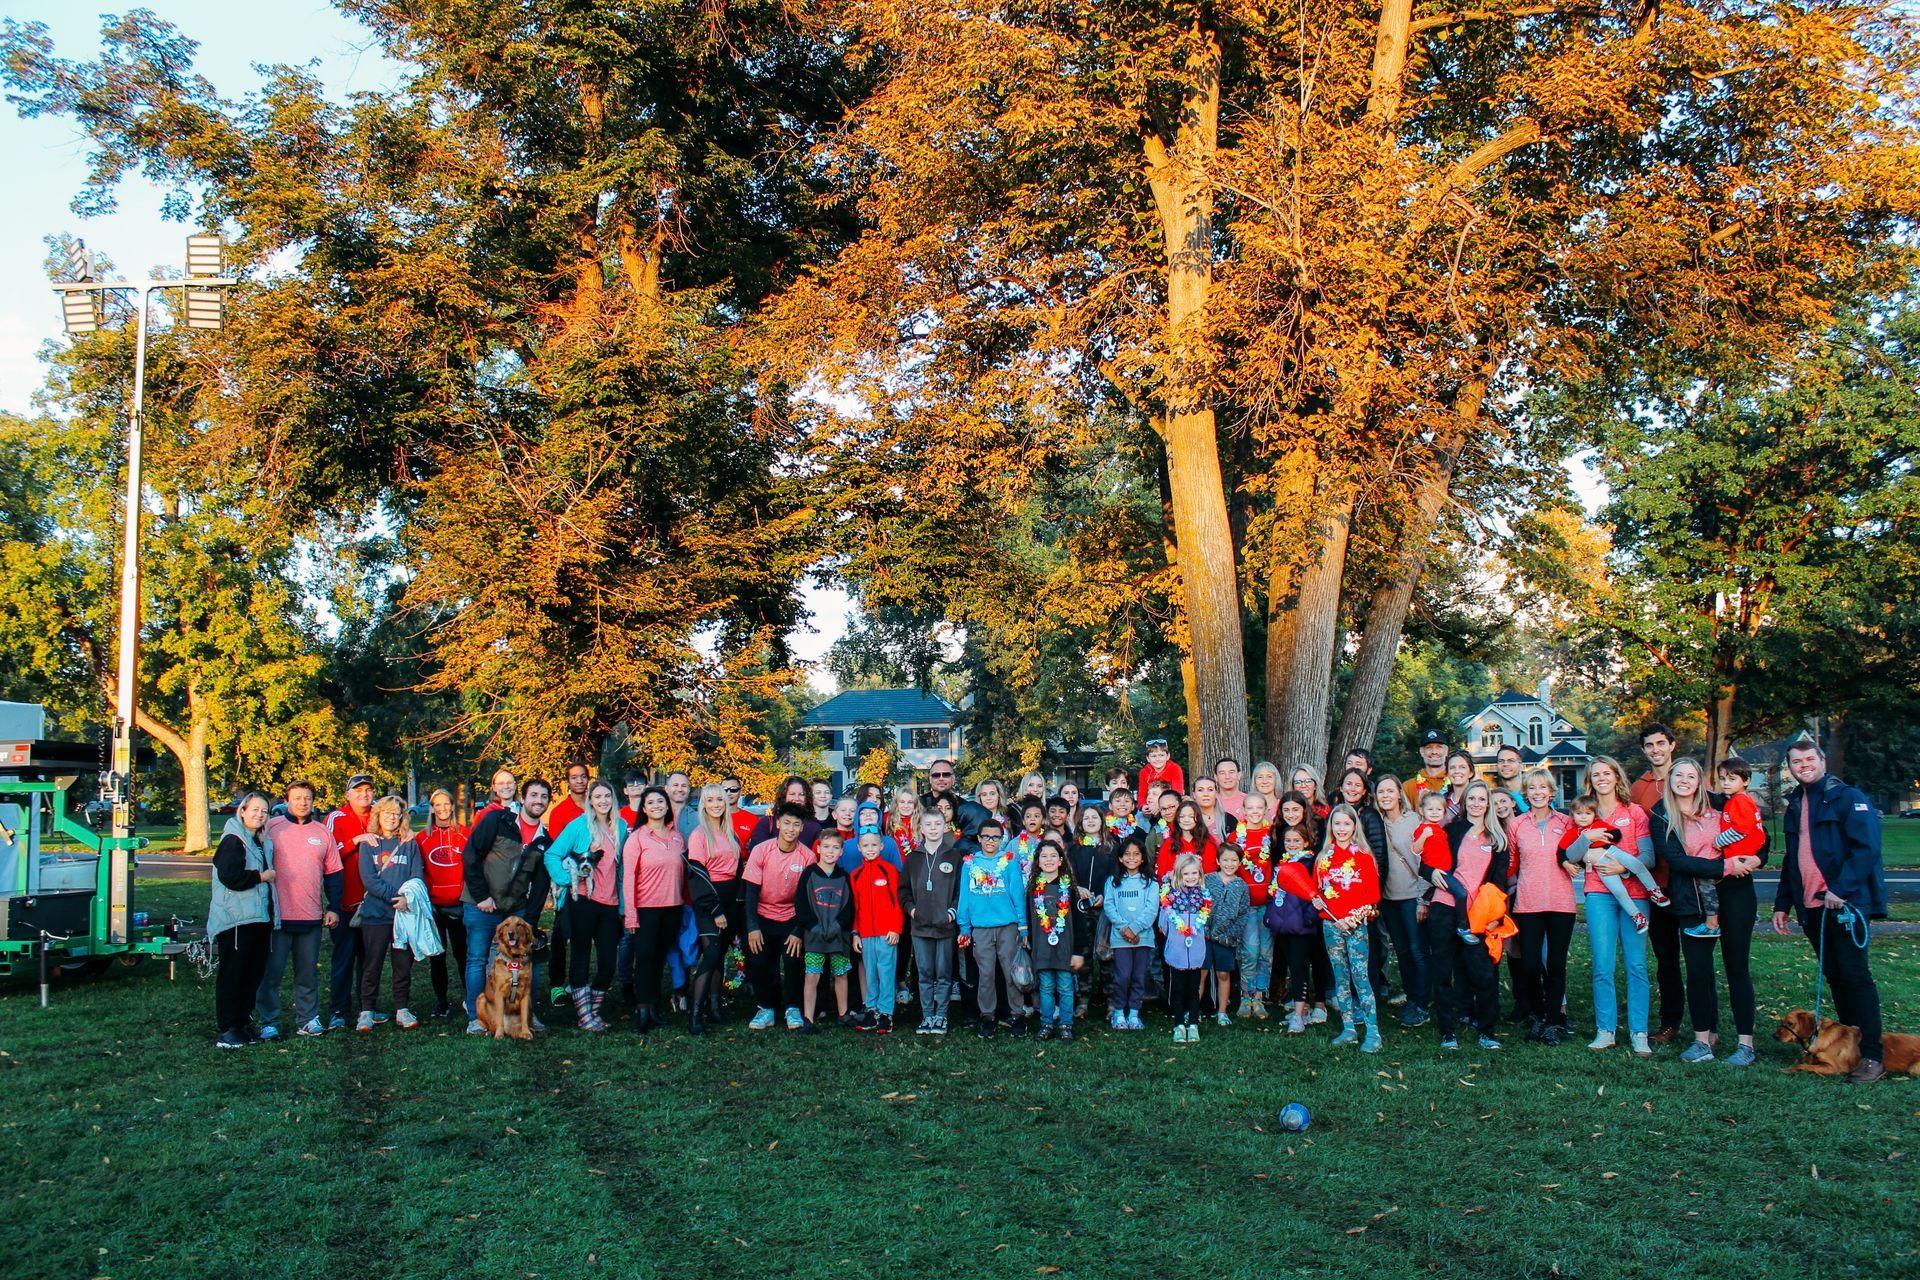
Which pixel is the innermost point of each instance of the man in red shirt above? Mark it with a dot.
(346, 825)
(1657, 742)
(572, 804)
(1160, 767)
(743, 819)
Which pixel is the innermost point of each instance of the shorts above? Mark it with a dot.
(835, 964)
(1222, 958)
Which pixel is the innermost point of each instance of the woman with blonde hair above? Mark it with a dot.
(712, 844)
(389, 857)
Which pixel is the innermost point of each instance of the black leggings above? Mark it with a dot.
(595, 930)
(452, 923)
(657, 929)
(1322, 967)
(1540, 984)
(1663, 937)
(1454, 960)
(1738, 911)
(1293, 964)
(1184, 987)
(243, 951)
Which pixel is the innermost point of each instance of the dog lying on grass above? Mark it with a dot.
(506, 1002)
(1836, 1050)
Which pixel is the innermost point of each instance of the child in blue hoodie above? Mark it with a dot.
(993, 923)
(1132, 904)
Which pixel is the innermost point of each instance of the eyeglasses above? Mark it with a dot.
(733, 791)
(990, 835)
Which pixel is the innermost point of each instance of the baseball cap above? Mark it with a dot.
(359, 780)
(1433, 736)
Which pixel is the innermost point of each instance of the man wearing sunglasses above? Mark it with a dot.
(1161, 768)
(742, 819)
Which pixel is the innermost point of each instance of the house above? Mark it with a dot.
(923, 727)
(1546, 739)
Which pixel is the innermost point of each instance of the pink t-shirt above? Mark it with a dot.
(1469, 867)
(605, 886)
(656, 870)
(1541, 883)
(778, 875)
(1813, 885)
(1632, 822)
(303, 853)
(1234, 802)
(722, 860)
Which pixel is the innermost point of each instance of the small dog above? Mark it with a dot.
(506, 1003)
(1836, 1050)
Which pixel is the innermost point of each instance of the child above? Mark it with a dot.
(929, 897)
(1741, 836)
(1058, 927)
(1292, 922)
(1436, 853)
(1161, 768)
(1120, 817)
(822, 916)
(1024, 843)
(1593, 840)
(1132, 904)
(1256, 941)
(1185, 908)
(993, 923)
(1231, 907)
(877, 924)
(1348, 881)
(1091, 859)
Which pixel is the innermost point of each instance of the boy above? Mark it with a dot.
(822, 915)
(1603, 842)
(1161, 768)
(772, 877)
(929, 899)
(1741, 836)
(1256, 945)
(1436, 854)
(877, 922)
(993, 923)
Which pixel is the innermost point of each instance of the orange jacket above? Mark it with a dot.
(1488, 917)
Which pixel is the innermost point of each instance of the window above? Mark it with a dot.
(924, 739)
(820, 739)
(1490, 734)
(1536, 734)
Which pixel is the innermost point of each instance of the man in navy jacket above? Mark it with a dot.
(1831, 875)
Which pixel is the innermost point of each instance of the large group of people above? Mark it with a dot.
(1016, 910)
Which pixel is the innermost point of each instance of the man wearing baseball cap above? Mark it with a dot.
(1433, 769)
(346, 825)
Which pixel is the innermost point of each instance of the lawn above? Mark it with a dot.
(130, 1148)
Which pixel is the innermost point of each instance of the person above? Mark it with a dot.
(1256, 943)
(1590, 839)
(823, 921)
(1220, 823)
(1025, 843)
(1295, 924)
(506, 875)
(1059, 820)
(1740, 835)
(879, 919)
(1542, 867)
(1478, 848)
(1507, 763)
(1685, 826)
(992, 799)
(1297, 811)
(1226, 928)
(346, 825)
(1060, 929)
(503, 793)
(1347, 884)
(822, 793)
(574, 802)
(1070, 792)
(1226, 779)
(1185, 908)
(240, 916)
(795, 792)
(1831, 874)
(715, 846)
(1266, 783)
(389, 858)
(1307, 783)
(1166, 805)
(1401, 883)
(772, 876)
(587, 865)
(634, 787)
(993, 926)
(742, 819)
(712, 927)
(1433, 769)
(1160, 767)
(1120, 816)
(441, 847)
(686, 816)
(560, 937)
(1352, 790)
(306, 899)
(903, 823)
(653, 879)
(929, 898)
(940, 780)
(1362, 759)
(1506, 806)
(1091, 860)
(1132, 905)
(1435, 848)
(1657, 743)
(1459, 775)
(1189, 835)
(1612, 934)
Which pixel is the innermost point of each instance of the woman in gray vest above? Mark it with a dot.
(240, 920)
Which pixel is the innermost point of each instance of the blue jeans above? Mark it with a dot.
(480, 927)
(879, 961)
(1056, 997)
(1256, 957)
(1611, 936)
(1401, 916)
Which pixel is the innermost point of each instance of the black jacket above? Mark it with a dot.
(1073, 938)
(930, 890)
(1686, 872)
(498, 866)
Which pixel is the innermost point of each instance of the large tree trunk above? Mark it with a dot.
(1292, 493)
(1303, 728)
(1177, 154)
(1189, 686)
(189, 749)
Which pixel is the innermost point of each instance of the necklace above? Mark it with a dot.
(1053, 920)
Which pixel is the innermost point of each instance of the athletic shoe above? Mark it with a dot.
(1316, 1016)
(336, 1023)
(939, 1026)
(1414, 1016)
(1659, 898)
(312, 1027)
(883, 1025)
(365, 1021)
(986, 1029)
(1180, 1034)
(1372, 1043)
(1701, 930)
(538, 1026)
(269, 1032)
(1869, 1070)
(1488, 1042)
(1020, 1028)
(251, 1034)
(1602, 1040)
(807, 1028)
(850, 1020)
(1698, 1051)
(864, 1021)
(404, 1019)
(1116, 1019)
(1045, 1032)
(763, 1019)
(794, 1019)
(230, 1040)
(1449, 1042)
(1550, 1035)
(442, 1010)
(1133, 1021)
(379, 1017)
(475, 1028)
(1223, 1019)
(557, 994)
(1347, 1035)
(1295, 1023)
(1641, 1049)
(1066, 1033)
(925, 1028)
(1193, 1034)
(1742, 1056)
(1397, 999)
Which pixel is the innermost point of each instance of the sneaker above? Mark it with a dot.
(986, 1029)
(1742, 1056)
(1116, 1019)
(1317, 1016)
(1133, 1021)
(1449, 1042)
(442, 1010)
(1180, 1034)
(1295, 1023)
(925, 1028)
(1659, 898)
(379, 1017)
(336, 1023)
(1602, 1040)
(850, 1020)
(365, 1021)
(939, 1026)
(865, 1021)
(883, 1025)
(762, 1019)
(1869, 1070)
(230, 1040)
(558, 995)
(1640, 923)
(312, 1027)
(1045, 1032)
(1641, 1049)
(1372, 1043)
(1698, 1051)
(538, 1026)
(474, 1027)
(1550, 1034)
(794, 1019)
(1347, 1035)
(1066, 1033)
(1414, 1016)
(1701, 930)
(1193, 1034)
(1222, 1020)
(269, 1032)
(807, 1028)
(1488, 1042)
(1019, 1028)
(404, 1019)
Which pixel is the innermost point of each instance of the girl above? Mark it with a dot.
(655, 876)
(1256, 942)
(1686, 830)
(1091, 860)
(1401, 883)
(1058, 934)
(903, 824)
(1231, 911)
(1291, 919)
(1506, 806)
(585, 864)
(1459, 776)
(240, 921)
(1348, 884)
(716, 849)
(1611, 932)
(1353, 790)
(1132, 904)
(389, 858)
(1476, 844)
(1306, 781)
(1543, 905)
(1185, 908)
(442, 845)
(1189, 836)
(1296, 810)
(992, 797)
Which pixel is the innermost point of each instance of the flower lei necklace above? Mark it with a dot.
(1184, 901)
(1051, 922)
(1118, 826)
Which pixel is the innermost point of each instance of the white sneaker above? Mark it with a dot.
(1180, 1034)
(312, 1027)
(475, 1027)
(364, 1022)
(794, 1019)
(1641, 1048)
(404, 1019)
(1193, 1034)
(1604, 1040)
(1318, 1016)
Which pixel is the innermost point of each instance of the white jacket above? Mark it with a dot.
(413, 928)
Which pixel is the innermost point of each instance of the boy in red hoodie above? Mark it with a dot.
(877, 923)
(1741, 835)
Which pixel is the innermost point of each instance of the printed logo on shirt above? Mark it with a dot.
(880, 883)
(793, 868)
(946, 868)
(1860, 808)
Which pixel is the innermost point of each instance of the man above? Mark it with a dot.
(1506, 774)
(1161, 768)
(772, 875)
(634, 787)
(306, 899)
(1833, 877)
(1362, 759)
(1656, 743)
(679, 789)
(1433, 769)
(742, 819)
(940, 779)
(504, 865)
(572, 804)
(1226, 777)
(346, 825)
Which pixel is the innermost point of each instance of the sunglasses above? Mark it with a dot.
(733, 791)
(1155, 742)
(945, 774)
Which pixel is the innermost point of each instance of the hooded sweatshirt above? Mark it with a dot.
(930, 890)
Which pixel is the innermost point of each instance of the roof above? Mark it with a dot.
(1564, 751)
(882, 706)
(1514, 697)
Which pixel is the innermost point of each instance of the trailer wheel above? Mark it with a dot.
(84, 967)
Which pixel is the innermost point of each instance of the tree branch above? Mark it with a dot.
(1460, 17)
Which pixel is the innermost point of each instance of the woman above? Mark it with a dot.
(991, 796)
(1189, 835)
(1307, 783)
(389, 858)
(1479, 848)
(1266, 784)
(441, 846)
(1401, 884)
(1611, 933)
(240, 920)
(503, 793)
(1459, 778)
(656, 895)
(793, 790)
(714, 847)
(585, 864)
(1685, 827)
(1543, 907)
(1223, 826)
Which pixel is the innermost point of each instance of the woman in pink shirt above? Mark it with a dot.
(1611, 934)
(1543, 905)
(1479, 848)
(715, 845)
(656, 892)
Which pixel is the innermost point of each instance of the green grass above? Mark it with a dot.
(1899, 841)
(130, 1148)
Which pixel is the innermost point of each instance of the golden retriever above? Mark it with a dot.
(1836, 1050)
(506, 1002)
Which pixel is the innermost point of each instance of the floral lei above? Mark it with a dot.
(1182, 901)
(1051, 922)
(1118, 826)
